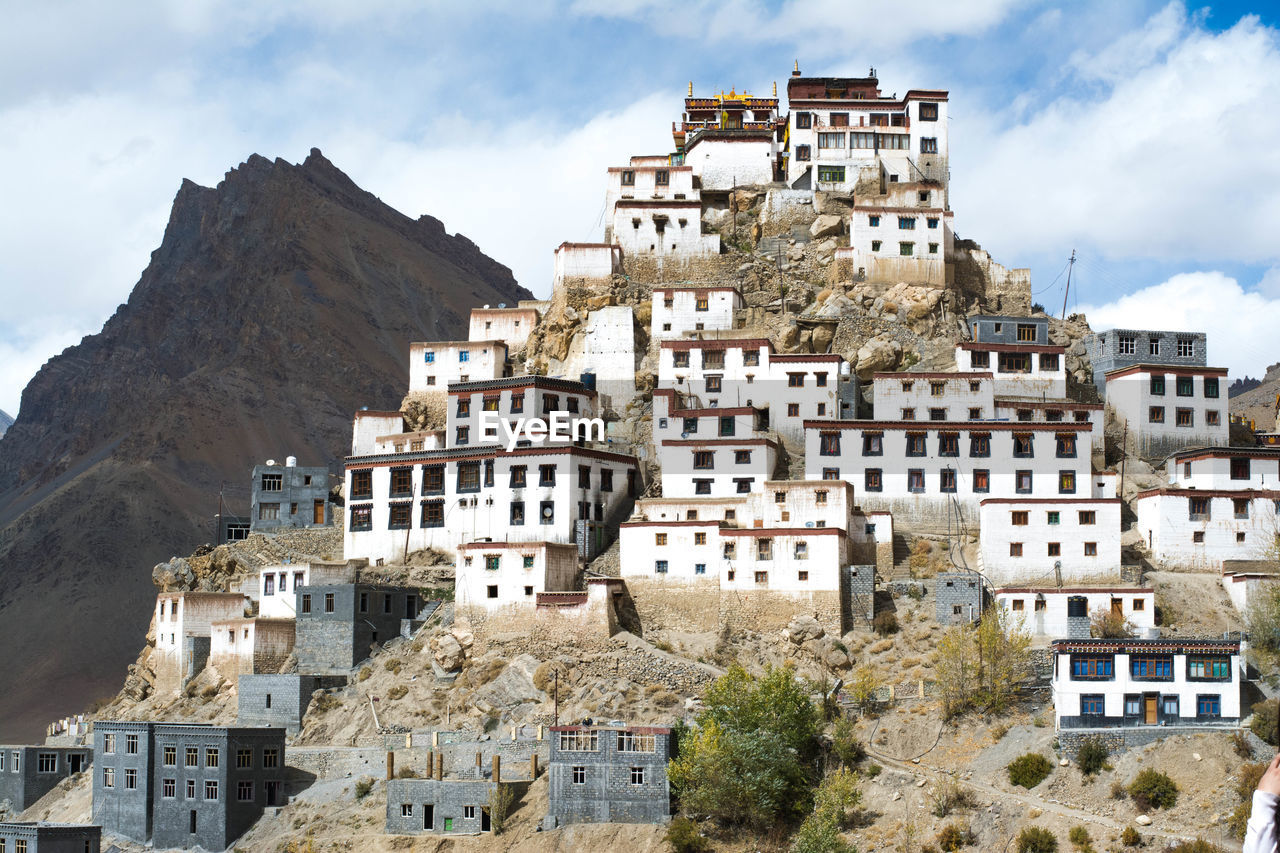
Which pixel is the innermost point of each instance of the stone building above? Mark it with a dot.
(41, 837)
(287, 496)
(279, 700)
(959, 597)
(602, 774)
(185, 785)
(445, 806)
(337, 624)
(247, 646)
(27, 773)
(1117, 348)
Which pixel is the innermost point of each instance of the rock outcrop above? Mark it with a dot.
(278, 303)
(5, 422)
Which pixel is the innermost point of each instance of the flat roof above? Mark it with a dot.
(1147, 367)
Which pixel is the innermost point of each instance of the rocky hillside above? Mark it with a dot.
(5, 422)
(1257, 401)
(277, 304)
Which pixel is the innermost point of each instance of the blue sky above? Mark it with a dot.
(1140, 134)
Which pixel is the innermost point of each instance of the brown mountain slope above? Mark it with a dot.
(1259, 402)
(277, 304)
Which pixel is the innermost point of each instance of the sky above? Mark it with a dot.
(1141, 135)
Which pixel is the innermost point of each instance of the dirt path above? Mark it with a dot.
(1027, 799)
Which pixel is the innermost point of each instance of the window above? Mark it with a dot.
(1211, 417)
(831, 174)
(169, 788)
(1156, 415)
(579, 774)
(873, 481)
(432, 514)
(328, 608)
(1157, 386)
(1091, 704)
(764, 549)
(830, 140)
(659, 539)
(702, 487)
(108, 777)
(1066, 482)
(268, 512)
(1241, 507)
(915, 444)
(398, 517)
(875, 245)
(947, 480)
(662, 177)
(1014, 362)
(1208, 706)
(1211, 387)
(1022, 482)
(1151, 667)
(713, 383)
(802, 153)
(1066, 445)
(1015, 549)
(1198, 509)
(680, 359)
(628, 178)
(210, 757)
(192, 757)
(517, 403)
(834, 474)
(547, 512)
(1092, 667)
(948, 444)
(906, 250)
(244, 759)
(1049, 362)
(191, 789)
(47, 762)
(131, 744)
(306, 602)
(580, 741)
(742, 457)
(464, 356)
(270, 758)
(463, 435)
(1053, 517)
(1022, 445)
(1209, 667)
(908, 414)
(108, 747)
(915, 480)
(492, 562)
(272, 482)
(702, 459)
(211, 790)
(1018, 604)
(829, 444)
(1186, 386)
(928, 112)
(1186, 347)
(1054, 549)
(546, 475)
(170, 756)
(1198, 537)
(1020, 518)
(637, 775)
(979, 444)
(1091, 549)
(981, 480)
(795, 380)
(1126, 344)
(928, 145)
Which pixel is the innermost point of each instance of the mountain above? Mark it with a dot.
(1257, 399)
(5, 421)
(277, 304)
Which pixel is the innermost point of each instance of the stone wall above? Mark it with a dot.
(279, 700)
(1118, 740)
(707, 607)
(715, 269)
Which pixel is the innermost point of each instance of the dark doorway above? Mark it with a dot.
(485, 823)
(428, 816)
(273, 794)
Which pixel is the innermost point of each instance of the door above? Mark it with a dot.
(428, 816)
(411, 607)
(317, 512)
(485, 823)
(75, 763)
(1150, 716)
(273, 793)
(1117, 607)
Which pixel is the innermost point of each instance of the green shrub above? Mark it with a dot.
(1263, 723)
(1197, 846)
(885, 623)
(397, 692)
(1035, 839)
(1130, 837)
(1152, 789)
(363, 787)
(948, 796)
(1029, 770)
(871, 771)
(955, 836)
(1092, 755)
(393, 665)
(845, 744)
(1118, 790)
(1079, 838)
(682, 835)
(1238, 820)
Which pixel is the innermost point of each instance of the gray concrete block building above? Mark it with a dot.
(443, 806)
(33, 837)
(185, 785)
(1117, 348)
(337, 624)
(27, 773)
(600, 774)
(959, 598)
(1000, 329)
(286, 496)
(279, 700)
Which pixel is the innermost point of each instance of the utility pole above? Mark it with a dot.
(1070, 265)
(1124, 452)
(556, 695)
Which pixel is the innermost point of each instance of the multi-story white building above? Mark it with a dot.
(677, 310)
(933, 397)
(716, 467)
(904, 234)
(841, 131)
(440, 499)
(1200, 528)
(183, 617)
(496, 575)
(729, 140)
(672, 419)
(1024, 410)
(585, 263)
(508, 401)
(435, 365)
(1018, 370)
(1225, 468)
(923, 471)
(746, 372)
(1128, 683)
(278, 583)
(1246, 580)
(1167, 408)
(1066, 612)
(372, 430)
(654, 209)
(1040, 540)
(509, 325)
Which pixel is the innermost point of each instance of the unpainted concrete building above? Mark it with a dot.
(338, 624)
(601, 774)
(27, 773)
(1117, 348)
(33, 837)
(279, 700)
(445, 806)
(288, 497)
(959, 598)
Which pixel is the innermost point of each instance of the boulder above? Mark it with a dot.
(1142, 820)
(802, 628)
(827, 225)
(823, 335)
(789, 337)
(881, 353)
(173, 576)
(448, 652)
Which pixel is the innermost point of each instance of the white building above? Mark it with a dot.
(440, 499)
(933, 397)
(677, 310)
(1199, 528)
(655, 210)
(746, 372)
(904, 234)
(729, 140)
(1225, 468)
(1049, 611)
(181, 617)
(716, 467)
(1246, 580)
(509, 325)
(842, 130)
(1168, 408)
(250, 646)
(923, 471)
(1044, 539)
(508, 401)
(1024, 410)
(278, 584)
(1019, 369)
(435, 365)
(369, 429)
(500, 575)
(1129, 683)
(585, 263)
(672, 419)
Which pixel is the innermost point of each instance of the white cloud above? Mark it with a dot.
(1240, 324)
(1269, 284)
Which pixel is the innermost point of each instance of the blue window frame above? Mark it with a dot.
(1091, 704)
(1209, 706)
(1151, 667)
(660, 567)
(1092, 667)
(464, 356)
(429, 357)
(699, 568)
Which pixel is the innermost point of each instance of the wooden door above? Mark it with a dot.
(1150, 717)
(317, 512)
(1117, 607)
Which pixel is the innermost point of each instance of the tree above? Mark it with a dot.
(750, 759)
(863, 686)
(980, 666)
(834, 804)
(1104, 623)
(1263, 618)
